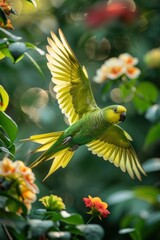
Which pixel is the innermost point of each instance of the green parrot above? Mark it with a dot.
(89, 125)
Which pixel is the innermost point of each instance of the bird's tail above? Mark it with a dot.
(61, 156)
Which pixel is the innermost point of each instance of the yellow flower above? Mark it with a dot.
(152, 58)
(52, 203)
(24, 179)
(4, 99)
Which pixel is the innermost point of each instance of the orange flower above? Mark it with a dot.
(98, 208)
(111, 69)
(114, 68)
(8, 25)
(132, 72)
(6, 7)
(128, 59)
(24, 179)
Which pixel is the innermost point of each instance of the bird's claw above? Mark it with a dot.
(66, 140)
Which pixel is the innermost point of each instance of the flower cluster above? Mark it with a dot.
(23, 187)
(98, 208)
(4, 99)
(52, 203)
(114, 68)
(7, 9)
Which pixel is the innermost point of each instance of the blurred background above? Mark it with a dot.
(95, 33)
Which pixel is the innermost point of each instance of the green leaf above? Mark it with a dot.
(147, 193)
(36, 65)
(152, 135)
(59, 235)
(1, 55)
(120, 196)
(92, 231)
(135, 235)
(7, 53)
(9, 126)
(6, 145)
(145, 95)
(126, 230)
(11, 36)
(64, 216)
(38, 227)
(17, 222)
(153, 113)
(40, 211)
(6, 151)
(17, 50)
(34, 2)
(32, 46)
(154, 218)
(3, 17)
(152, 165)
(13, 201)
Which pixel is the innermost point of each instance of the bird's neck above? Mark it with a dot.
(99, 120)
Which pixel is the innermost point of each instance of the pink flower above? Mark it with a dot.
(97, 207)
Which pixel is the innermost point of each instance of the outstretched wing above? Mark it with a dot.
(116, 147)
(71, 81)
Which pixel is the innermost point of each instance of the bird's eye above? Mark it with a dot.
(115, 110)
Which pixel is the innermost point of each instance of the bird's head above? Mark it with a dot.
(114, 114)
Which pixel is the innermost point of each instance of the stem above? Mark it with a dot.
(135, 92)
(7, 232)
(90, 219)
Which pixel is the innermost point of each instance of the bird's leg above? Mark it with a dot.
(66, 140)
(73, 148)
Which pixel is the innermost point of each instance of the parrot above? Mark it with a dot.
(97, 128)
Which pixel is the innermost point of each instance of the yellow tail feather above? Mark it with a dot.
(47, 140)
(61, 159)
(46, 137)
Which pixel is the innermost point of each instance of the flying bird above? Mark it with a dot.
(88, 124)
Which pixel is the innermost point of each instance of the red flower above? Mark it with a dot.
(125, 10)
(98, 208)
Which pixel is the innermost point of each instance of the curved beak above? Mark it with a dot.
(122, 116)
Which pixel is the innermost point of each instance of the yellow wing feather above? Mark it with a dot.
(115, 146)
(72, 86)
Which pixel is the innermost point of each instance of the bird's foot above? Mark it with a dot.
(66, 140)
(73, 148)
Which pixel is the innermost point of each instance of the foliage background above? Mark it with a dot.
(35, 110)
